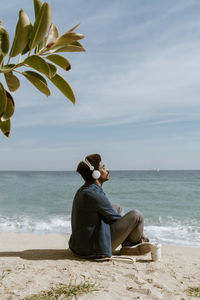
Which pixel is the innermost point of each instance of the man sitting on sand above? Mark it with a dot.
(97, 228)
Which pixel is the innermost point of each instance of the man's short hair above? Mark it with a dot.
(84, 170)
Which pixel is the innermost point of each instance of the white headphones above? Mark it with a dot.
(95, 173)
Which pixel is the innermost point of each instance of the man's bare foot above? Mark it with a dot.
(144, 239)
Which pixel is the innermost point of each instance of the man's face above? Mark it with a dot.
(104, 172)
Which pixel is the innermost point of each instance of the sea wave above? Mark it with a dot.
(28, 224)
(168, 231)
(174, 232)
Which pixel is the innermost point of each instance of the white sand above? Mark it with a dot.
(31, 263)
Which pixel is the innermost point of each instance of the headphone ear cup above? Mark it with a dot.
(96, 174)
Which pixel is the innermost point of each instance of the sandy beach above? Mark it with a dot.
(31, 263)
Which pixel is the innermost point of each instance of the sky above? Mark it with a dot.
(137, 89)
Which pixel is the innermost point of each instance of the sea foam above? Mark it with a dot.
(26, 224)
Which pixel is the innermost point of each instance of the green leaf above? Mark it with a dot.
(67, 48)
(1, 58)
(4, 41)
(41, 25)
(22, 32)
(38, 63)
(67, 38)
(35, 74)
(10, 107)
(5, 127)
(12, 81)
(27, 48)
(76, 43)
(72, 29)
(64, 87)
(60, 61)
(41, 45)
(38, 81)
(53, 70)
(7, 68)
(52, 35)
(3, 99)
(37, 6)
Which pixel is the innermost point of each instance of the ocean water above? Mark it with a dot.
(41, 202)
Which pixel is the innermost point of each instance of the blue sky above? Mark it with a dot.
(137, 89)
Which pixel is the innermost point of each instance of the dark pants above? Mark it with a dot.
(129, 227)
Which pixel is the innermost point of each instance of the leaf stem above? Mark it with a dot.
(42, 51)
(17, 71)
(20, 58)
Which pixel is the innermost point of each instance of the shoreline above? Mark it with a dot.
(67, 235)
(31, 263)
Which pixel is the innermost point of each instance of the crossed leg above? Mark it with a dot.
(127, 229)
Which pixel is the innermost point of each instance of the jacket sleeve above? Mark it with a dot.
(99, 202)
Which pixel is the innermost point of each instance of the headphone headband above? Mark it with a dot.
(89, 164)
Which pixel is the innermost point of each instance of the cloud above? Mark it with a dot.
(115, 88)
(137, 83)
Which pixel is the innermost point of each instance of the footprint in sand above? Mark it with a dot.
(131, 276)
(139, 290)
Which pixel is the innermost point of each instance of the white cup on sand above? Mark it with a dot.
(156, 251)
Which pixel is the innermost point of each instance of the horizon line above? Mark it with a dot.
(111, 170)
